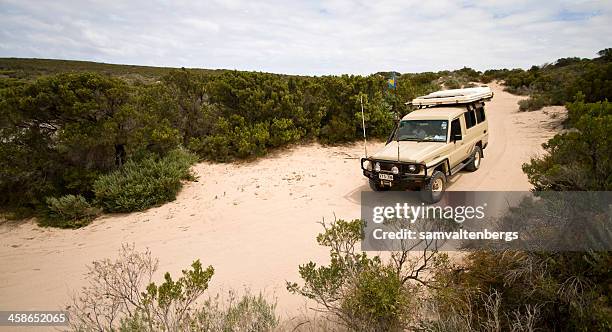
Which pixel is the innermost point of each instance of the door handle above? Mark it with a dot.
(485, 131)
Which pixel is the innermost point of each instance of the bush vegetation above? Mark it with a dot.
(524, 291)
(149, 182)
(69, 211)
(579, 159)
(533, 103)
(365, 293)
(559, 82)
(121, 296)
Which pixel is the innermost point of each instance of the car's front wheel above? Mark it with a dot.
(434, 189)
(375, 186)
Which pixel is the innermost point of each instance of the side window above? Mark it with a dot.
(470, 119)
(455, 129)
(480, 114)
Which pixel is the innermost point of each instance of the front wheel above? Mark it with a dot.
(375, 186)
(434, 189)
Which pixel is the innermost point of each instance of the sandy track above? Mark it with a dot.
(255, 222)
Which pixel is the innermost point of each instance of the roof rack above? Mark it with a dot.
(455, 96)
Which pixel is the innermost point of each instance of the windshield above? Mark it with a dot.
(422, 130)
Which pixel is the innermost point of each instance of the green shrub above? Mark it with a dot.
(251, 313)
(520, 91)
(486, 79)
(140, 185)
(59, 133)
(565, 291)
(533, 103)
(579, 108)
(283, 131)
(68, 211)
(379, 300)
(339, 129)
(579, 159)
(452, 83)
(561, 81)
(363, 293)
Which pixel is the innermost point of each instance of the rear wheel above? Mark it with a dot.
(434, 189)
(476, 159)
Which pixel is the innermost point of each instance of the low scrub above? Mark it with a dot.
(523, 291)
(140, 185)
(364, 293)
(68, 211)
(237, 313)
(579, 159)
(533, 103)
(521, 90)
(122, 296)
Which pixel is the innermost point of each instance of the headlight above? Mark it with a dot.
(394, 170)
(412, 168)
(367, 165)
(377, 167)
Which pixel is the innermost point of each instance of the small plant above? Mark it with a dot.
(363, 293)
(140, 185)
(453, 83)
(533, 103)
(68, 211)
(251, 313)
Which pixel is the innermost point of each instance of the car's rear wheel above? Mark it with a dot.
(434, 189)
(476, 159)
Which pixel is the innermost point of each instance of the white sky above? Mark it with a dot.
(308, 37)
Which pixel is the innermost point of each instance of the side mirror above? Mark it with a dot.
(457, 137)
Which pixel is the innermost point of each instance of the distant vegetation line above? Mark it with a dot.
(29, 68)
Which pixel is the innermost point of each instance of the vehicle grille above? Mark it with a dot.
(386, 166)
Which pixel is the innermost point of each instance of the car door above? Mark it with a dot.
(459, 148)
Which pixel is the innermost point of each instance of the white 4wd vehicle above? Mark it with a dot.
(447, 133)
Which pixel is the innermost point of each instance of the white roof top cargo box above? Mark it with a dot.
(455, 96)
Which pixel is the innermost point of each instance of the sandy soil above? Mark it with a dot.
(254, 222)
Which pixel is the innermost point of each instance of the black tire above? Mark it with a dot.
(375, 186)
(476, 160)
(434, 189)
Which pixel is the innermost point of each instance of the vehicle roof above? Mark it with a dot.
(454, 96)
(436, 113)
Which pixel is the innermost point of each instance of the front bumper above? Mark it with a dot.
(403, 179)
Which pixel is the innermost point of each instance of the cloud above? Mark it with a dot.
(308, 37)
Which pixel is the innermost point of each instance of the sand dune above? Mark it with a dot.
(254, 222)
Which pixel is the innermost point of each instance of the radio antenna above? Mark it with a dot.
(397, 139)
(398, 158)
(365, 142)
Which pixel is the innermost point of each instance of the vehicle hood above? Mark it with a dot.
(410, 151)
